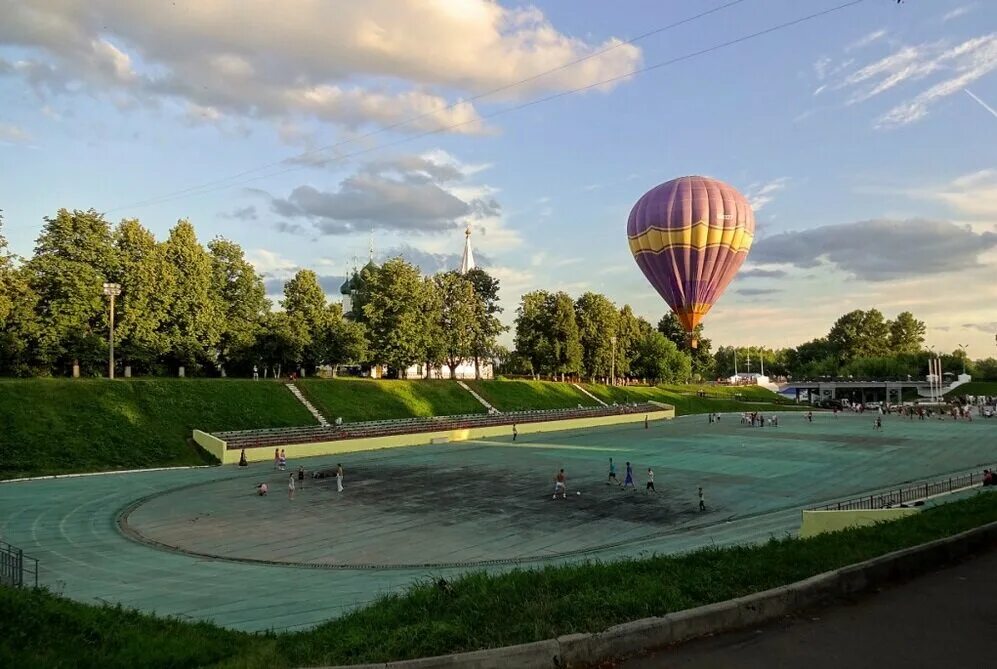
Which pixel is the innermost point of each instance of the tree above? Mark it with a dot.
(18, 324)
(564, 336)
(193, 320)
(702, 359)
(531, 338)
(6, 276)
(342, 341)
(458, 313)
(906, 333)
(74, 256)
(598, 322)
(243, 302)
(660, 360)
(488, 326)
(395, 315)
(282, 341)
(147, 284)
(304, 301)
(629, 331)
(860, 334)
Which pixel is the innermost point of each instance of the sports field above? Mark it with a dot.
(200, 544)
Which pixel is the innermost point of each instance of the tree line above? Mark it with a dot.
(204, 307)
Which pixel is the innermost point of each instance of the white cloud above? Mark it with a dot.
(866, 40)
(973, 195)
(13, 134)
(378, 62)
(762, 194)
(957, 12)
(952, 67)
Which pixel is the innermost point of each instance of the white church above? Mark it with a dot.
(465, 370)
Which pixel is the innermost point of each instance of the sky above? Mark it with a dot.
(309, 130)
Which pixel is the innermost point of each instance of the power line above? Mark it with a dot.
(450, 107)
(501, 112)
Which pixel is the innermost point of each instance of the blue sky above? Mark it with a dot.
(870, 166)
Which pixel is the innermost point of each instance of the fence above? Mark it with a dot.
(15, 565)
(902, 495)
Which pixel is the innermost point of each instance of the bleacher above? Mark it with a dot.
(283, 436)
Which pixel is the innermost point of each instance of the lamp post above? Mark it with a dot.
(612, 366)
(963, 347)
(111, 290)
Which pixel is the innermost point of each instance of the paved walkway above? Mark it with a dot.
(448, 508)
(945, 619)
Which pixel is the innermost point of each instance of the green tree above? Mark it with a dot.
(6, 276)
(660, 360)
(282, 341)
(243, 301)
(488, 326)
(147, 284)
(457, 315)
(395, 315)
(531, 338)
(629, 331)
(860, 334)
(703, 364)
(343, 341)
(194, 316)
(304, 300)
(906, 333)
(18, 323)
(598, 323)
(74, 256)
(564, 336)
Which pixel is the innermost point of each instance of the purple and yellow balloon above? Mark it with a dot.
(690, 236)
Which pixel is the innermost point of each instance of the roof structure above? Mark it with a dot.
(467, 259)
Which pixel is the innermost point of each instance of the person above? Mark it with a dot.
(276, 458)
(261, 489)
(988, 477)
(282, 460)
(515, 432)
(560, 485)
(702, 502)
(301, 473)
(339, 421)
(628, 480)
(256, 373)
(612, 473)
(243, 462)
(650, 482)
(290, 486)
(879, 423)
(646, 424)
(339, 477)
(810, 416)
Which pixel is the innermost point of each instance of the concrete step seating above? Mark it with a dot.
(240, 439)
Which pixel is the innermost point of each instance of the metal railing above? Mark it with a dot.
(911, 492)
(16, 567)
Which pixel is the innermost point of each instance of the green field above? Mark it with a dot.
(974, 388)
(686, 400)
(366, 399)
(473, 612)
(59, 426)
(519, 395)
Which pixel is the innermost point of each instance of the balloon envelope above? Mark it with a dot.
(690, 236)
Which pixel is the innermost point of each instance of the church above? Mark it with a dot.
(353, 286)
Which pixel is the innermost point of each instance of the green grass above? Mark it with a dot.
(518, 395)
(478, 611)
(366, 399)
(686, 400)
(59, 426)
(974, 388)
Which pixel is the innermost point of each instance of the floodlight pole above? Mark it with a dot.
(612, 366)
(963, 347)
(111, 290)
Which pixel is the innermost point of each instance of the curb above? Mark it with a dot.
(104, 473)
(647, 634)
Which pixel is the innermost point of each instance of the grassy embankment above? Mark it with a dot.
(60, 426)
(686, 400)
(478, 611)
(521, 395)
(974, 388)
(366, 399)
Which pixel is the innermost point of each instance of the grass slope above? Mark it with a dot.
(520, 395)
(478, 611)
(58, 426)
(686, 400)
(974, 388)
(366, 399)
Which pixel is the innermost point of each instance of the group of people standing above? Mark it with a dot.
(280, 464)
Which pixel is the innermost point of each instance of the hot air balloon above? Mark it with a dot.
(690, 236)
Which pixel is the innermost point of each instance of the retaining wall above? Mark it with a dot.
(218, 447)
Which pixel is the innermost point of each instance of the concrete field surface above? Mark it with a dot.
(201, 544)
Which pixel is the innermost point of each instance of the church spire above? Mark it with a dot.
(467, 260)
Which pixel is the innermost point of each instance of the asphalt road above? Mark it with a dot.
(944, 619)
